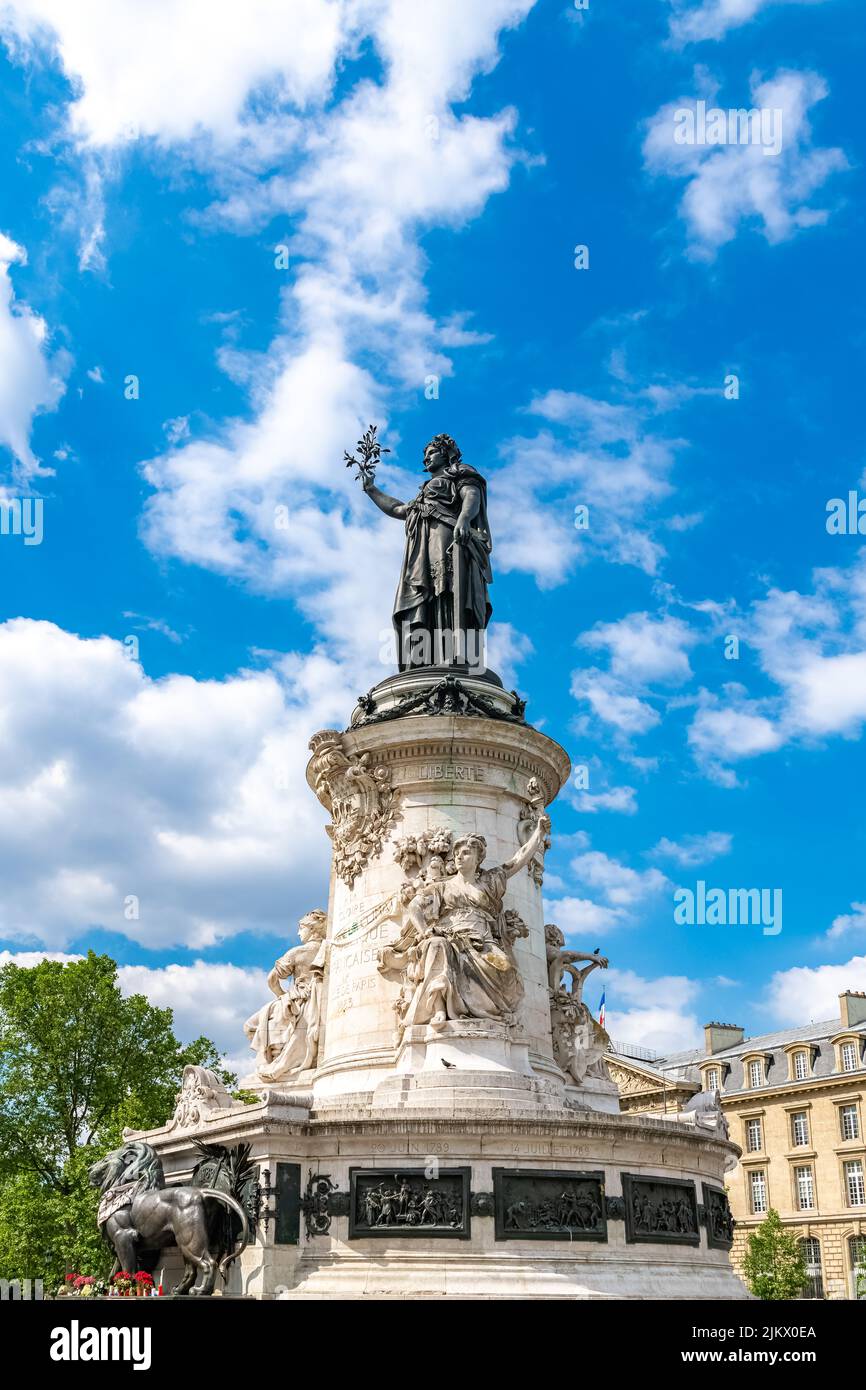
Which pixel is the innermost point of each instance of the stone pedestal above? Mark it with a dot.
(312, 1247)
(454, 1157)
(433, 773)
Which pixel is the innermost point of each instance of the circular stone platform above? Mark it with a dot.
(583, 1205)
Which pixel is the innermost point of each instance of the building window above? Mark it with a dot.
(801, 1066)
(799, 1129)
(849, 1121)
(711, 1079)
(758, 1191)
(857, 1252)
(855, 1188)
(756, 1074)
(805, 1184)
(754, 1136)
(811, 1250)
(849, 1056)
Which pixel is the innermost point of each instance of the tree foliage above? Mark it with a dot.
(79, 1062)
(773, 1263)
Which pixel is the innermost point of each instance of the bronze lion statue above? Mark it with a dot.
(139, 1216)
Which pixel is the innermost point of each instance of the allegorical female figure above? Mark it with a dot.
(442, 608)
(455, 950)
(285, 1032)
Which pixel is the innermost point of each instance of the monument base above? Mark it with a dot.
(447, 1201)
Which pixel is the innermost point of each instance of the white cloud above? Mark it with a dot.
(609, 456)
(31, 380)
(739, 185)
(806, 993)
(507, 649)
(613, 701)
(642, 648)
(27, 959)
(711, 19)
(580, 915)
(621, 799)
(666, 1025)
(359, 169)
(851, 923)
(722, 733)
(177, 70)
(695, 849)
(188, 795)
(177, 429)
(206, 997)
(606, 460)
(812, 647)
(359, 175)
(621, 886)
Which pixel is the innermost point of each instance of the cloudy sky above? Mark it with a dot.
(230, 238)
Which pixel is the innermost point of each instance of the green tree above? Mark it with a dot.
(773, 1263)
(79, 1062)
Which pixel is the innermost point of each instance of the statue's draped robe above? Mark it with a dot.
(285, 1032)
(424, 592)
(466, 967)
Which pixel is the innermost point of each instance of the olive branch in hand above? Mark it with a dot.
(370, 451)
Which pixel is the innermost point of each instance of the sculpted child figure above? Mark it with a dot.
(285, 1032)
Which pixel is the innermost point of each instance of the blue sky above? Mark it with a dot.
(430, 171)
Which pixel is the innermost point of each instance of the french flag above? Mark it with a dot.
(601, 1009)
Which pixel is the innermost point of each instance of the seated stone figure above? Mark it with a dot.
(454, 954)
(285, 1033)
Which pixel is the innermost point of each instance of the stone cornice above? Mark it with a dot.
(589, 1124)
(811, 1084)
(513, 746)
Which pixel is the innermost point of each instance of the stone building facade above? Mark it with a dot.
(795, 1103)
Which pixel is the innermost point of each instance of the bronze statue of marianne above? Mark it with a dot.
(442, 607)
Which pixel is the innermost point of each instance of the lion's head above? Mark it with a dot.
(132, 1162)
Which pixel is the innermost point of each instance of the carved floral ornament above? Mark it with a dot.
(360, 798)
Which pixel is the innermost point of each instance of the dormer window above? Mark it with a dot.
(848, 1056)
(801, 1066)
(756, 1073)
(711, 1079)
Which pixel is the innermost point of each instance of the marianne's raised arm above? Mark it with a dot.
(391, 506)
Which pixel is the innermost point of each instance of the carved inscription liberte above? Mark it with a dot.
(455, 772)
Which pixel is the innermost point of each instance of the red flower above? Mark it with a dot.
(142, 1277)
